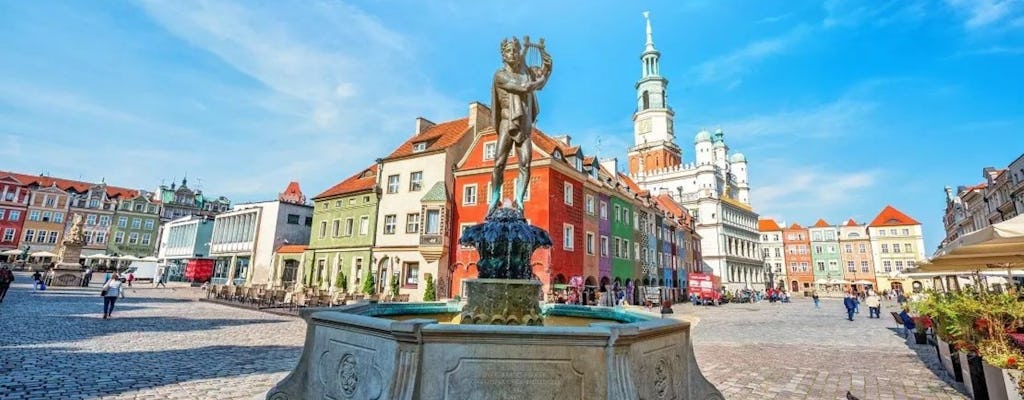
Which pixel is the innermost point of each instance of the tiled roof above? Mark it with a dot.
(436, 193)
(362, 180)
(821, 224)
(439, 136)
(291, 249)
(629, 183)
(67, 184)
(890, 216)
(767, 224)
(795, 226)
(851, 222)
(671, 206)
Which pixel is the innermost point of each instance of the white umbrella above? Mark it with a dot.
(98, 256)
(838, 281)
(43, 254)
(150, 258)
(863, 282)
(129, 257)
(11, 252)
(821, 281)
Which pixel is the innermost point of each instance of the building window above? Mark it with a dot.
(146, 238)
(293, 219)
(33, 215)
(419, 146)
(390, 221)
(604, 246)
(41, 236)
(57, 217)
(589, 203)
(335, 228)
(625, 249)
(416, 181)
(618, 214)
(349, 226)
(101, 237)
(568, 238)
(821, 265)
(490, 148)
(433, 222)
(309, 221)
(133, 238)
(851, 267)
(803, 267)
(412, 223)
(89, 219)
(885, 248)
(323, 229)
(899, 265)
(8, 235)
(833, 266)
(567, 195)
(892, 232)
(364, 225)
(862, 248)
(358, 268)
(30, 234)
(412, 274)
(887, 265)
(53, 237)
(469, 195)
(908, 248)
(119, 237)
(150, 224)
(137, 223)
(864, 266)
(617, 248)
(793, 266)
(94, 203)
(590, 243)
(393, 184)
(906, 232)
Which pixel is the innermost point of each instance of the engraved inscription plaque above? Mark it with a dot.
(507, 379)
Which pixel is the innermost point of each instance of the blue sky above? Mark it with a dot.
(841, 107)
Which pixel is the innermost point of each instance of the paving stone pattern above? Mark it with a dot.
(162, 344)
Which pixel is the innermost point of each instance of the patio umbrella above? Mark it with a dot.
(43, 254)
(999, 246)
(11, 252)
(128, 257)
(863, 282)
(838, 282)
(821, 281)
(98, 256)
(150, 258)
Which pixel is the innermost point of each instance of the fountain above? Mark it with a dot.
(502, 343)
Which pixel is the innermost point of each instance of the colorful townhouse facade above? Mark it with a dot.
(896, 244)
(855, 256)
(44, 224)
(797, 242)
(341, 242)
(14, 201)
(773, 252)
(413, 237)
(136, 225)
(825, 253)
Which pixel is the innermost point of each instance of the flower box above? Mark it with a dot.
(974, 375)
(1002, 383)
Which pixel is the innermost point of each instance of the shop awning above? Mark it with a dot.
(1000, 246)
(42, 254)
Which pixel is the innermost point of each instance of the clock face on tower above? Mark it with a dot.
(643, 126)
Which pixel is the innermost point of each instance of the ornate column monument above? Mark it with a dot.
(67, 271)
(506, 293)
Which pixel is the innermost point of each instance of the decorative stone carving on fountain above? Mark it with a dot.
(67, 271)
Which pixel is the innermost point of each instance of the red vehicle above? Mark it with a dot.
(704, 288)
(199, 270)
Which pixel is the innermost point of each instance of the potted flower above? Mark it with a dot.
(1003, 363)
(921, 326)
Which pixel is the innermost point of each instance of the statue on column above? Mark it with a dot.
(514, 107)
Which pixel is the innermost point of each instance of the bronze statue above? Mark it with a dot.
(514, 109)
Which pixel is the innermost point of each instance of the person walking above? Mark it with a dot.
(86, 277)
(6, 278)
(111, 291)
(851, 306)
(874, 304)
(37, 279)
(131, 278)
(817, 300)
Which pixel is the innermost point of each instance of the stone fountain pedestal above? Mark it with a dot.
(502, 302)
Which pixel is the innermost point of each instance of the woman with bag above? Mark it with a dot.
(111, 290)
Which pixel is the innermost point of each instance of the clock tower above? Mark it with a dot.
(653, 135)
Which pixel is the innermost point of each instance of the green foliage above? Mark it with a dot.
(430, 294)
(342, 282)
(978, 322)
(369, 286)
(394, 285)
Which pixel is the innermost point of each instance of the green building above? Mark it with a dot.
(825, 253)
(135, 227)
(623, 263)
(344, 217)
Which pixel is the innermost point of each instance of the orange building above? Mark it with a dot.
(797, 242)
(855, 256)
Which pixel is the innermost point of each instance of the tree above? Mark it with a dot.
(394, 285)
(430, 294)
(369, 286)
(342, 281)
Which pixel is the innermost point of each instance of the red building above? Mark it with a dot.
(554, 203)
(797, 242)
(14, 197)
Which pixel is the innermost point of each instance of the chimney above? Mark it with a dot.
(422, 124)
(564, 139)
(610, 164)
(479, 116)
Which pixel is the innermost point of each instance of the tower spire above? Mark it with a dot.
(650, 39)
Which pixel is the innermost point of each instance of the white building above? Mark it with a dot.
(244, 239)
(998, 198)
(414, 214)
(713, 187)
(182, 240)
(773, 252)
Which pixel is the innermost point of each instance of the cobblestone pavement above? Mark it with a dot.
(161, 344)
(793, 351)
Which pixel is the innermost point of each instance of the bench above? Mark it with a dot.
(899, 323)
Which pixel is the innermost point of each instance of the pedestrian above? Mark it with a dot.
(131, 278)
(37, 279)
(111, 291)
(106, 278)
(6, 278)
(874, 305)
(161, 282)
(851, 305)
(817, 300)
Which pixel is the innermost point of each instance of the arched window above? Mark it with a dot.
(646, 101)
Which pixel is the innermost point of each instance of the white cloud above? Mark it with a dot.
(983, 13)
(833, 119)
(729, 67)
(803, 193)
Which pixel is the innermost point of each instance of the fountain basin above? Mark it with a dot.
(389, 351)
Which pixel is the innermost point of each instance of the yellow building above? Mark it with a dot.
(896, 244)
